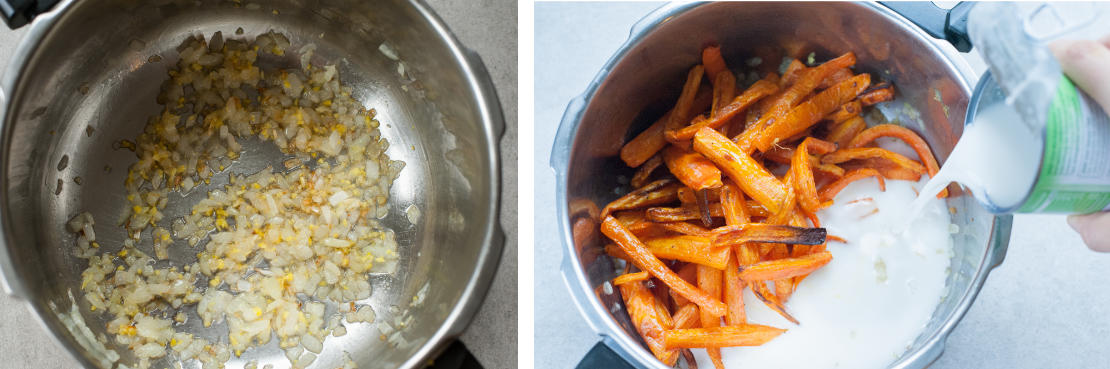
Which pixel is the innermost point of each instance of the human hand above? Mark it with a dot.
(1087, 63)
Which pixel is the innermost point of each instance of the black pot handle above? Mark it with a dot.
(601, 356)
(17, 13)
(949, 25)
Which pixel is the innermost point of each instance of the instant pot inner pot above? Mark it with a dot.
(91, 82)
(931, 98)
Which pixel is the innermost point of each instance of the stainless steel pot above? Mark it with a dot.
(85, 63)
(640, 81)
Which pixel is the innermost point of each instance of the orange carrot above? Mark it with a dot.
(687, 317)
(643, 173)
(686, 229)
(803, 175)
(724, 90)
(810, 112)
(641, 307)
(911, 138)
(770, 233)
(727, 336)
(650, 141)
(709, 280)
(770, 300)
(755, 180)
(828, 193)
(785, 268)
(842, 133)
(579, 207)
(836, 77)
(734, 294)
(713, 62)
(792, 73)
(584, 232)
(881, 92)
(654, 193)
(693, 169)
(689, 273)
(757, 91)
(732, 204)
(644, 260)
(683, 108)
(692, 249)
(856, 153)
(845, 112)
(630, 277)
(682, 214)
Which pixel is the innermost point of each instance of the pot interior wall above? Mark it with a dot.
(93, 69)
(931, 99)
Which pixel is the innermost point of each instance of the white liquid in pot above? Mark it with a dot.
(864, 308)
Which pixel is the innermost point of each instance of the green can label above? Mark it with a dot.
(1075, 169)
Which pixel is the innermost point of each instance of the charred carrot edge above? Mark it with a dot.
(641, 307)
(734, 293)
(753, 178)
(713, 61)
(709, 280)
(724, 90)
(908, 136)
(688, 196)
(654, 193)
(845, 112)
(803, 175)
(784, 268)
(631, 277)
(828, 193)
(644, 260)
(771, 301)
(843, 132)
(810, 112)
(843, 155)
(732, 204)
(880, 93)
(643, 173)
(759, 90)
(683, 108)
(668, 215)
(691, 249)
(769, 233)
(691, 168)
(726, 336)
(651, 140)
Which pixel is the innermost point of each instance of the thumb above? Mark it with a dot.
(1094, 229)
(1085, 61)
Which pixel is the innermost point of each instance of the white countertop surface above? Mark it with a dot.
(1047, 306)
(487, 26)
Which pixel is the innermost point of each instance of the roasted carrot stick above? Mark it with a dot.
(836, 77)
(906, 135)
(760, 232)
(683, 108)
(687, 317)
(686, 229)
(828, 193)
(810, 112)
(792, 73)
(644, 260)
(654, 193)
(856, 153)
(724, 90)
(693, 169)
(843, 132)
(784, 268)
(681, 214)
(757, 91)
(732, 204)
(755, 180)
(630, 277)
(734, 294)
(692, 249)
(803, 175)
(641, 307)
(713, 62)
(689, 273)
(727, 336)
(709, 280)
(881, 92)
(770, 300)
(637, 222)
(845, 112)
(643, 173)
(650, 141)
(689, 197)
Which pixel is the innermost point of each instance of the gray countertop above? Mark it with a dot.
(487, 26)
(1045, 307)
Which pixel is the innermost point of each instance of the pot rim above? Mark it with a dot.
(480, 86)
(572, 270)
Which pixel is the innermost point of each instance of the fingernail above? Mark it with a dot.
(1075, 221)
